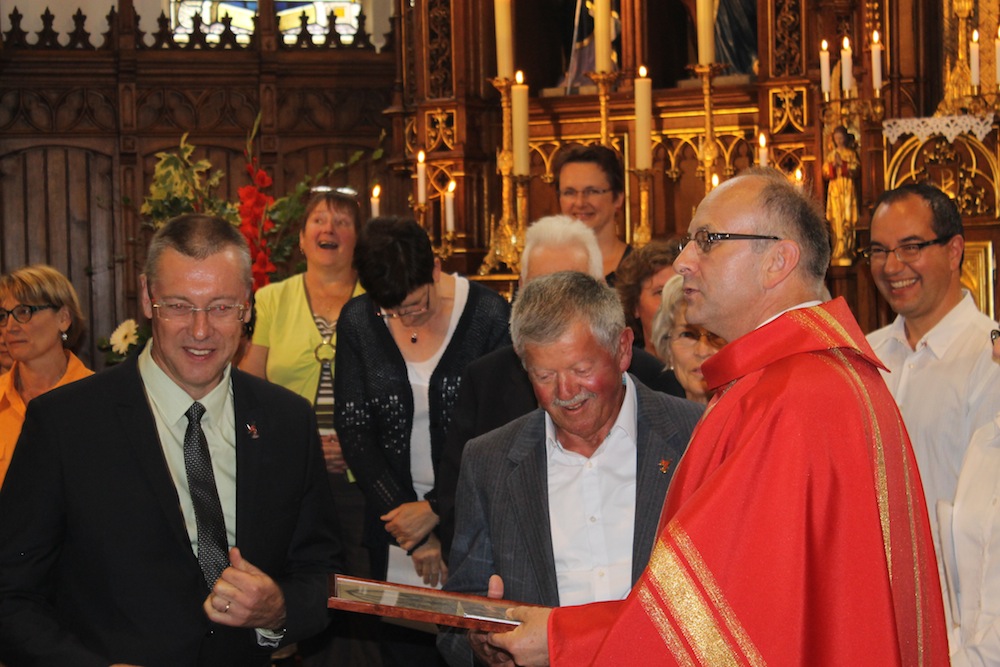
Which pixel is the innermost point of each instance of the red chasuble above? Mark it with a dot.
(794, 531)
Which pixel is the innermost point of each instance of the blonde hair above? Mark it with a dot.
(42, 285)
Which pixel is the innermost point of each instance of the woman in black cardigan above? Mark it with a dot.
(401, 350)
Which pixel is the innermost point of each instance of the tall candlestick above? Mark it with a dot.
(846, 68)
(824, 67)
(876, 62)
(449, 207)
(643, 120)
(762, 152)
(376, 191)
(421, 178)
(602, 35)
(519, 118)
(505, 39)
(706, 32)
(974, 57)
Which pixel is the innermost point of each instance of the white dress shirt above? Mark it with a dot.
(946, 388)
(974, 554)
(592, 510)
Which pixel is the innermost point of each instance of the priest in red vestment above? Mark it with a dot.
(793, 532)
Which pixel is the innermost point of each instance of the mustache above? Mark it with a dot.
(579, 398)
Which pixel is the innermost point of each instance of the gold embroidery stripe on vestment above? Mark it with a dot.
(662, 624)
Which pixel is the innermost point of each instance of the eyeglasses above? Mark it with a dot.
(706, 239)
(343, 191)
(406, 311)
(907, 252)
(588, 193)
(690, 338)
(994, 335)
(21, 313)
(184, 312)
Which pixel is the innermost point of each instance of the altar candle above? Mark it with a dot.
(762, 152)
(706, 32)
(974, 57)
(643, 120)
(449, 207)
(798, 178)
(505, 39)
(824, 67)
(421, 178)
(519, 113)
(376, 191)
(876, 62)
(846, 67)
(602, 35)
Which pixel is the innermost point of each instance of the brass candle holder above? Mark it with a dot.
(507, 233)
(709, 151)
(642, 234)
(605, 81)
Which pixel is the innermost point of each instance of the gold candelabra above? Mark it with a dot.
(709, 150)
(850, 110)
(507, 233)
(605, 81)
(643, 233)
(420, 213)
(447, 247)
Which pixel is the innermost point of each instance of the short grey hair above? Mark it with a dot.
(548, 306)
(670, 300)
(198, 236)
(562, 231)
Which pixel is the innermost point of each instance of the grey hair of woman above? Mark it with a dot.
(670, 299)
(562, 231)
(548, 306)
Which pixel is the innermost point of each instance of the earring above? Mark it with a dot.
(64, 336)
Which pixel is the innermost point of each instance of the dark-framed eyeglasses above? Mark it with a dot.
(906, 253)
(994, 335)
(178, 311)
(705, 239)
(406, 311)
(22, 313)
(588, 193)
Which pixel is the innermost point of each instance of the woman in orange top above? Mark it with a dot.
(40, 319)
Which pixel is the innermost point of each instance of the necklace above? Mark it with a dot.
(413, 337)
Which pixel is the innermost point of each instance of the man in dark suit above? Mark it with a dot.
(495, 388)
(136, 527)
(563, 503)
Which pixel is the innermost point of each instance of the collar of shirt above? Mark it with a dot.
(173, 402)
(943, 335)
(804, 304)
(626, 423)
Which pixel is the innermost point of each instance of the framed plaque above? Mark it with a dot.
(412, 603)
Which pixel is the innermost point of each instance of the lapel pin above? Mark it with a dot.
(665, 465)
(252, 430)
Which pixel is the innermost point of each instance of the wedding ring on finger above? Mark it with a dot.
(226, 610)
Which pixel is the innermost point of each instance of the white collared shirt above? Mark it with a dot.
(592, 510)
(168, 403)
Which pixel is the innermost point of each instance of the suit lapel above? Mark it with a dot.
(528, 481)
(252, 438)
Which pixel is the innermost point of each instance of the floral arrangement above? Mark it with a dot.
(117, 346)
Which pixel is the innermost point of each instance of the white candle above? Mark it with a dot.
(846, 68)
(505, 39)
(798, 178)
(876, 62)
(376, 191)
(449, 207)
(643, 120)
(421, 178)
(706, 32)
(602, 35)
(762, 153)
(974, 57)
(824, 67)
(519, 114)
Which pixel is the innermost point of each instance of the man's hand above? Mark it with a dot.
(529, 642)
(333, 454)
(245, 597)
(410, 522)
(490, 655)
(429, 564)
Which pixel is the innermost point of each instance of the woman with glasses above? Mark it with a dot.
(40, 321)
(294, 344)
(640, 280)
(402, 348)
(682, 345)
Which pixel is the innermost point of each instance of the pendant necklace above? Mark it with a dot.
(413, 337)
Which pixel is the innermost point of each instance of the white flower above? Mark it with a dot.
(124, 337)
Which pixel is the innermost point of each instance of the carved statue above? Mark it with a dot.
(840, 169)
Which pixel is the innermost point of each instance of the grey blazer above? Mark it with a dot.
(502, 524)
